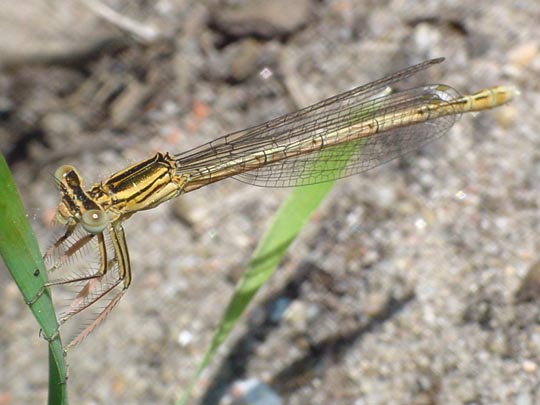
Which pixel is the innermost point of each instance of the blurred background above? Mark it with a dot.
(417, 282)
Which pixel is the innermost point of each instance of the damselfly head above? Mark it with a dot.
(68, 181)
(76, 205)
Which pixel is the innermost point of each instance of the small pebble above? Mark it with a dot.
(524, 54)
(251, 392)
(264, 19)
(529, 366)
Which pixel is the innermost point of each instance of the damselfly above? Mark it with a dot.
(359, 129)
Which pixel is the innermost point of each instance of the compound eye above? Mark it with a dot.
(94, 221)
(62, 171)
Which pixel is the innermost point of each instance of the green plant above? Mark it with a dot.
(20, 252)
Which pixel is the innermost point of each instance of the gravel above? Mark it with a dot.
(414, 283)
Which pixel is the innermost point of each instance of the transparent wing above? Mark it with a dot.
(360, 155)
(339, 113)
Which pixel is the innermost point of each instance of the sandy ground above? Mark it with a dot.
(415, 283)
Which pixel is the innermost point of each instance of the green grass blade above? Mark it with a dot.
(20, 252)
(287, 223)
